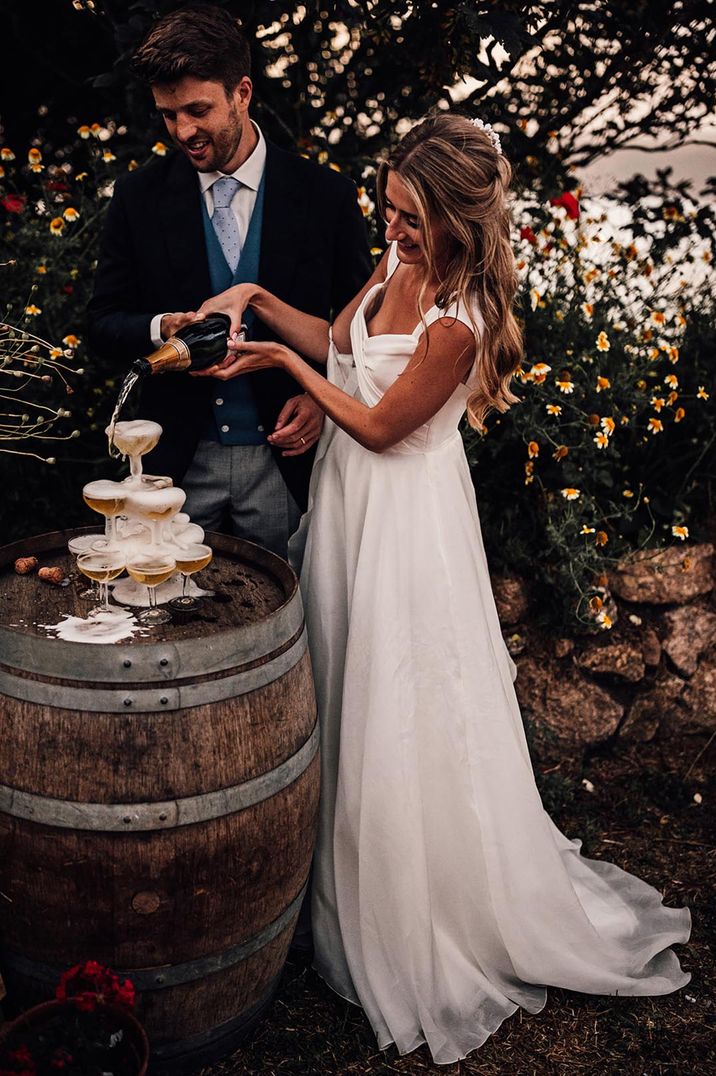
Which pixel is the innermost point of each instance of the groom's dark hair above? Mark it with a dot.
(202, 41)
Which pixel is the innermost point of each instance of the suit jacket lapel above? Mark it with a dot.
(283, 223)
(183, 232)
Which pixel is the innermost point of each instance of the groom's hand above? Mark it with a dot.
(172, 323)
(298, 426)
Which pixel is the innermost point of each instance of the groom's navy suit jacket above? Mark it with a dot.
(153, 260)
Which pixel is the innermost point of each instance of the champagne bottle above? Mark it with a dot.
(196, 346)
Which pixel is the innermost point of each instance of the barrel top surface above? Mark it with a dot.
(250, 584)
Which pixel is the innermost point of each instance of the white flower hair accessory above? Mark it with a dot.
(488, 129)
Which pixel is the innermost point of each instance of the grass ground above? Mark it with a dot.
(642, 815)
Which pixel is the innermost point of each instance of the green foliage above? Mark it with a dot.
(52, 204)
(611, 447)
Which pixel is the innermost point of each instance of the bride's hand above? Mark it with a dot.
(247, 357)
(234, 301)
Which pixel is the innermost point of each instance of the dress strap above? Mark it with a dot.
(456, 310)
(393, 259)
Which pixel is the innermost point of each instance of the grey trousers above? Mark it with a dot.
(239, 488)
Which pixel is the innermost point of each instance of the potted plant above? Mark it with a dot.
(87, 1030)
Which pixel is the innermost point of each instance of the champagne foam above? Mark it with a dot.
(100, 627)
(135, 437)
(104, 489)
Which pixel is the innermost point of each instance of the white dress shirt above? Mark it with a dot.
(249, 174)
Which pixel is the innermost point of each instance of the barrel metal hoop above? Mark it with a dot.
(158, 697)
(164, 976)
(166, 814)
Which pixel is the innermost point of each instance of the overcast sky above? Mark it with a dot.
(689, 162)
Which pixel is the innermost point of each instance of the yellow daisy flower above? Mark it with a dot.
(71, 340)
(672, 381)
(84, 131)
(602, 342)
(601, 440)
(601, 538)
(587, 530)
(565, 385)
(41, 270)
(6, 154)
(32, 310)
(702, 394)
(673, 353)
(553, 409)
(532, 449)
(679, 414)
(608, 425)
(655, 425)
(658, 317)
(603, 383)
(71, 214)
(55, 352)
(108, 156)
(570, 494)
(57, 226)
(672, 398)
(160, 149)
(560, 452)
(657, 402)
(34, 156)
(627, 493)
(588, 309)
(680, 532)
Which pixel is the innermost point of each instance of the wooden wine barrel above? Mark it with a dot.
(158, 797)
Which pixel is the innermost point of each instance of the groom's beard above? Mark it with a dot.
(213, 151)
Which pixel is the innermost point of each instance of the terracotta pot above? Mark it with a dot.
(40, 1014)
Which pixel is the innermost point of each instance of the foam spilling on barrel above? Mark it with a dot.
(103, 627)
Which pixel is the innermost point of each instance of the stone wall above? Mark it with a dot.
(652, 673)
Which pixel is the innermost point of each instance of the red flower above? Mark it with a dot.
(527, 233)
(57, 185)
(14, 203)
(569, 202)
(61, 1058)
(68, 289)
(90, 985)
(22, 1063)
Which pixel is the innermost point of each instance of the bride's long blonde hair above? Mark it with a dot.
(454, 173)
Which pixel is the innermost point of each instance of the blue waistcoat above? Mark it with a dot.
(235, 419)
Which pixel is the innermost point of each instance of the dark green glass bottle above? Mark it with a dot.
(195, 347)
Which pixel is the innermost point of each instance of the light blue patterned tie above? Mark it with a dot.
(224, 221)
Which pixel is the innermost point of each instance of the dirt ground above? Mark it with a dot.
(642, 815)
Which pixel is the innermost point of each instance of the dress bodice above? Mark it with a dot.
(379, 360)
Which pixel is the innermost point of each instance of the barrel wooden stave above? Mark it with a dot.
(214, 884)
(160, 753)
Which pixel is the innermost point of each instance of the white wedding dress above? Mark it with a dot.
(444, 897)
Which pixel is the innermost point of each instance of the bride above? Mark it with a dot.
(444, 897)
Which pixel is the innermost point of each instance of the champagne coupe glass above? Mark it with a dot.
(156, 507)
(101, 566)
(81, 543)
(135, 439)
(190, 560)
(109, 499)
(151, 569)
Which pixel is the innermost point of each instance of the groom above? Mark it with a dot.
(227, 208)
